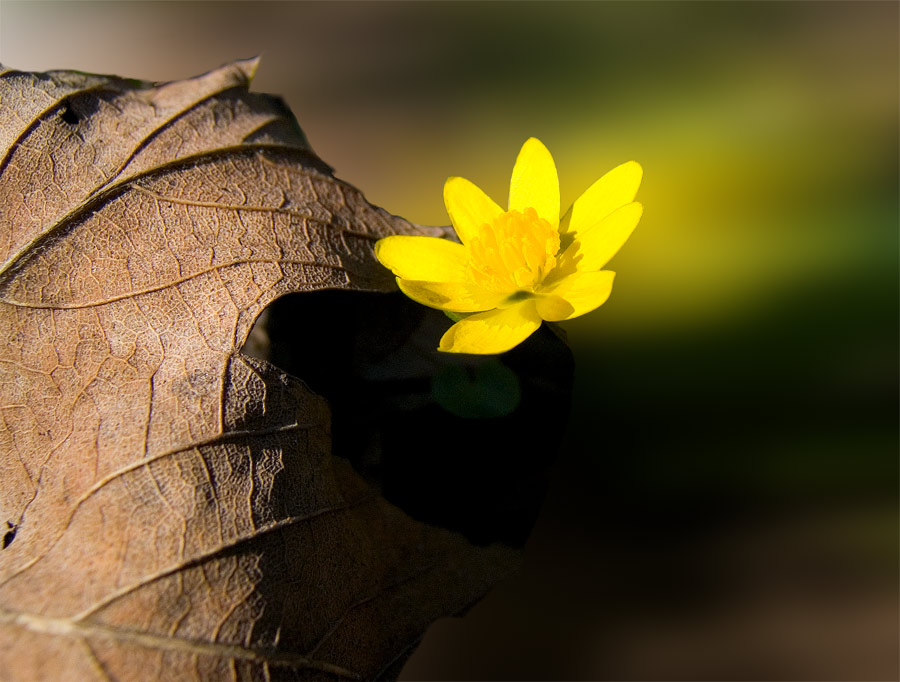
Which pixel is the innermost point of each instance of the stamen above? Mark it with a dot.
(514, 252)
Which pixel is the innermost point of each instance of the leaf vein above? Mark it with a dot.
(68, 628)
(106, 480)
(224, 548)
(161, 287)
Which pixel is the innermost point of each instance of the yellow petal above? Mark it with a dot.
(552, 308)
(422, 258)
(583, 291)
(593, 248)
(535, 182)
(469, 207)
(457, 297)
(495, 331)
(613, 190)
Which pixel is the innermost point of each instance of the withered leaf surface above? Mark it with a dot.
(171, 507)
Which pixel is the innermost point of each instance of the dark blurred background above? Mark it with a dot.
(724, 506)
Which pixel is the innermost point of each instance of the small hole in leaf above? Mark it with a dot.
(10, 535)
(69, 115)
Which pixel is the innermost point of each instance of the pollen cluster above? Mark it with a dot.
(513, 253)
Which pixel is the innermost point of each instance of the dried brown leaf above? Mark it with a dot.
(172, 508)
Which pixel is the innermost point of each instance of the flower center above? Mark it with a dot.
(514, 252)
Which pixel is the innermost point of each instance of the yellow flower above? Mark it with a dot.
(517, 267)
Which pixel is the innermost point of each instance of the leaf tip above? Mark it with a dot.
(247, 67)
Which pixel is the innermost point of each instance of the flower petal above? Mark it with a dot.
(425, 258)
(469, 207)
(594, 247)
(583, 291)
(535, 183)
(553, 308)
(495, 331)
(613, 190)
(457, 297)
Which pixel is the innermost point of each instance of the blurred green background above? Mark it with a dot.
(725, 503)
